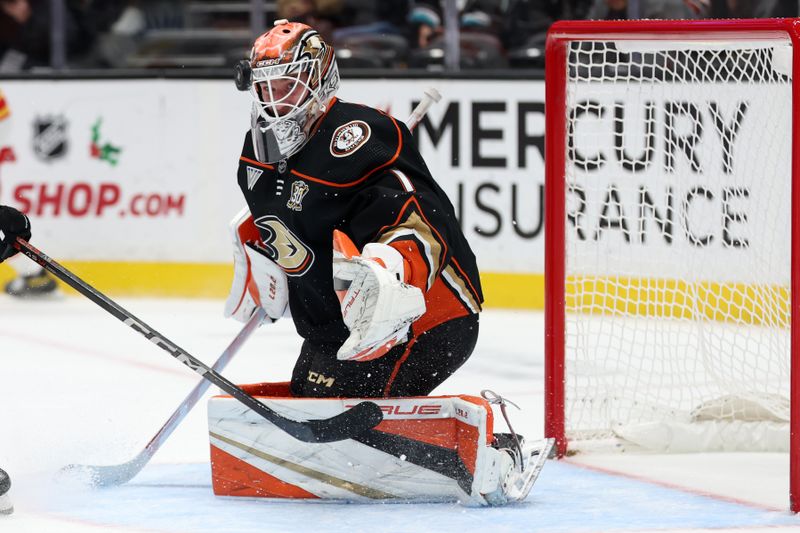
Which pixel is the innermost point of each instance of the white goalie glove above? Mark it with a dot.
(377, 307)
(257, 280)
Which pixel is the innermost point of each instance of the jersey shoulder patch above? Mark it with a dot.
(353, 143)
(349, 137)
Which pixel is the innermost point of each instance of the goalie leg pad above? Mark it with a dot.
(426, 449)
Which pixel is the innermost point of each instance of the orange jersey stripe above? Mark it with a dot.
(257, 163)
(397, 366)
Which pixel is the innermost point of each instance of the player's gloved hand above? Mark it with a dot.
(377, 307)
(257, 280)
(13, 224)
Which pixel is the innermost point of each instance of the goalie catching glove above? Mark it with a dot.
(377, 306)
(257, 280)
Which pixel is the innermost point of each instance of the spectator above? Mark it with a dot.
(687, 9)
(479, 16)
(648, 9)
(367, 33)
(120, 27)
(25, 27)
(480, 24)
(783, 8)
(324, 15)
(526, 21)
(22, 41)
(372, 17)
(750, 8)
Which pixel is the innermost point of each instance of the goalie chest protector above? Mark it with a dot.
(358, 173)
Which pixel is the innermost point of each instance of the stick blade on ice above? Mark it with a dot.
(98, 476)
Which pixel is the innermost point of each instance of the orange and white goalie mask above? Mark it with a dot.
(294, 79)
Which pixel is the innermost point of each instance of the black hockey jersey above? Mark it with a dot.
(360, 173)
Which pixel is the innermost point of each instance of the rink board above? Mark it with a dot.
(118, 175)
(133, 181)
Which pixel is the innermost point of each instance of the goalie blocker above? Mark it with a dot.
(439, 448)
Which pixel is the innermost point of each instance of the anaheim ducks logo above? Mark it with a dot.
(349, 138)
(283, 246)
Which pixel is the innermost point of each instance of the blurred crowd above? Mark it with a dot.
(366, 33)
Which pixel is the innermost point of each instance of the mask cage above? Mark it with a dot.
(279, 104)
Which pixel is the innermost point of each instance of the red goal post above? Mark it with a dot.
(678, 55)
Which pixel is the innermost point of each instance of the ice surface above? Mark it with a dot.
(79, 387)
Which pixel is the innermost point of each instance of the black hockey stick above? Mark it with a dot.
(113, 475)
(348, 424)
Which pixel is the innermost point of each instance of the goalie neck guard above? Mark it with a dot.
(293, 79)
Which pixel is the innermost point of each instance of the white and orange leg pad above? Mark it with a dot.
(426, 449)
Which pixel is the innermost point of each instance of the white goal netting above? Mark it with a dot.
(678, 244)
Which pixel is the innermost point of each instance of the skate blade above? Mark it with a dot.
(520, 484)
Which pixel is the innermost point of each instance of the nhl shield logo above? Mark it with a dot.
(349, 138)
(50, 137)
(299, 190)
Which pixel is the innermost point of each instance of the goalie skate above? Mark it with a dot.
(520, 472)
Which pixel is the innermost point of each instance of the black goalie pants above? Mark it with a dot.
(411, 369)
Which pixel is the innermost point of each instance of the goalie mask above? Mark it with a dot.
(293, 79)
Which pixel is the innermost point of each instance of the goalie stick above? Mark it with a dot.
(430, 97)
(348, 424)
(122, 473)
(114, 475)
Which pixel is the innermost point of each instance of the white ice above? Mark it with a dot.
(77, 386)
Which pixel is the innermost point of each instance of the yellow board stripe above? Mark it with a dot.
(513, 291)
(207, 280)
(677, 299)
(660, 298)
(187, 280)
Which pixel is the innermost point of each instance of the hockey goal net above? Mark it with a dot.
(670, 239)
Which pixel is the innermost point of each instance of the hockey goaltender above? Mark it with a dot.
(346, 231)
